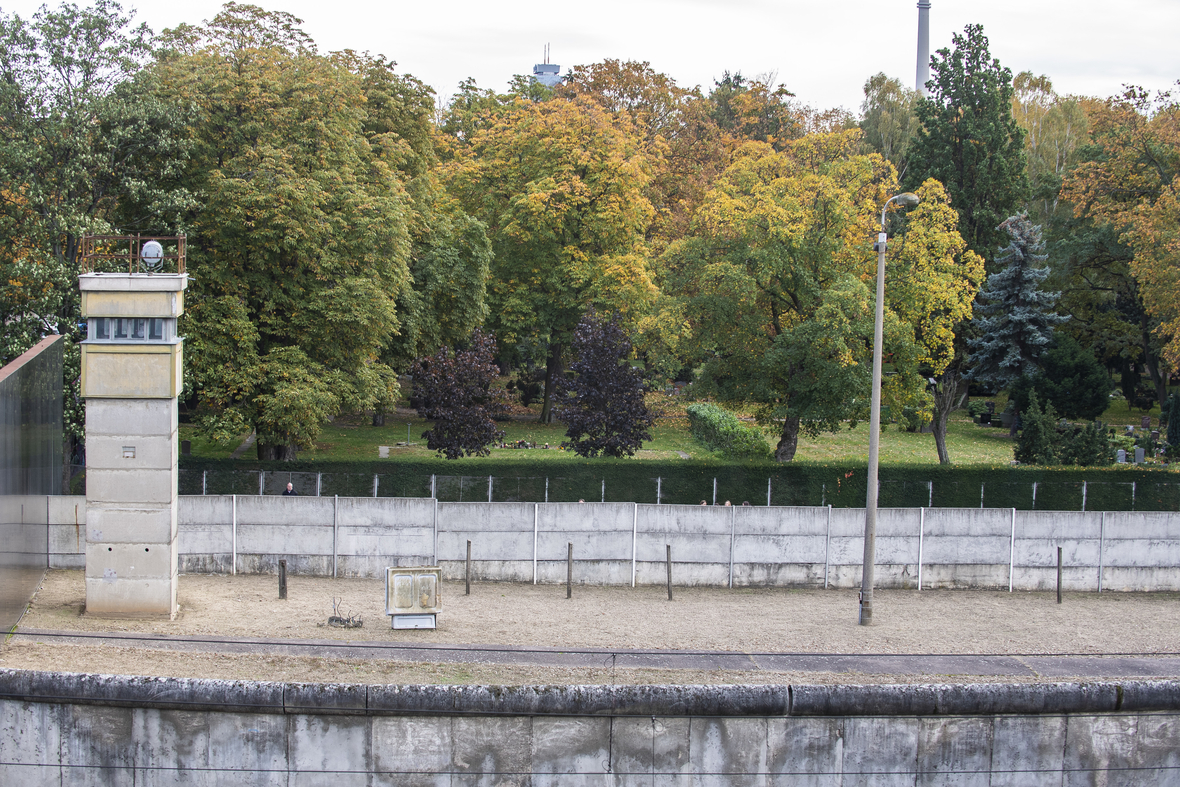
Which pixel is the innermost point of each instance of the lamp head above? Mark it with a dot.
(907, 200)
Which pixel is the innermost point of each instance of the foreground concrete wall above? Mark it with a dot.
(621, 543)
(67, 729)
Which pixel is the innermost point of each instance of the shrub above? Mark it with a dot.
(1043, 441)
(720, 430)
(1070, 378)
(1037, 443)
(976, 407)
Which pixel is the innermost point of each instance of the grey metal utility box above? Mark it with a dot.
(413, 596)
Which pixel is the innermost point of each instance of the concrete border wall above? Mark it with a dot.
(68, 729)
(624, 543)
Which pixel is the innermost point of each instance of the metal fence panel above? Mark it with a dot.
(30, 467)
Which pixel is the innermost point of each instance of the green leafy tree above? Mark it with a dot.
(969, 141)
(86, 146)
(1056, 132)
(450, 256)
(1100, 294)
(302, 234)
(889, 120)
(757, 109)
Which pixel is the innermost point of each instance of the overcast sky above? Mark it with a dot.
(821, 51)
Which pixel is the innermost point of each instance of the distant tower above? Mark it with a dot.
(546, 73)
(923, 45)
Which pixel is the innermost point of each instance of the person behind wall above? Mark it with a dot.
(290, 491)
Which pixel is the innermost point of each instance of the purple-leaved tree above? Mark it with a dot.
(603, 406)
(456, 393)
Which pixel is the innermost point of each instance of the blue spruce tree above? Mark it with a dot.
(1014, 318)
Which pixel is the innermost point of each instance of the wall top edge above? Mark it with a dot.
(592, 700)
(28, 355)
(133, 282)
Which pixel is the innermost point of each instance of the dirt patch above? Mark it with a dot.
(305, 669)
(742, 620)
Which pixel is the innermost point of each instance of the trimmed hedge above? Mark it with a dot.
(720, 430)
(1118, 488)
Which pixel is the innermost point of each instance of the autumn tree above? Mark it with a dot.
(775, 278)
(758, 109)
(603, 405)
(560, 186)
(933, 279)
(301, 234)
(889, 119)
(458, 396)
(86, 146)
(1131, 186)
(968, 140)
(684, 146)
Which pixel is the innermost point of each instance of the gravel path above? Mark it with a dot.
(741, 620)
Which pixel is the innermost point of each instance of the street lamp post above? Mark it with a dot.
(906, 200)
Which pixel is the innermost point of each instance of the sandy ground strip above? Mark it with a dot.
(749, 620)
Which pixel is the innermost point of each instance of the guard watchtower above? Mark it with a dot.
(132, 294)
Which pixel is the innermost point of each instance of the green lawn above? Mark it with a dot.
(354, 438)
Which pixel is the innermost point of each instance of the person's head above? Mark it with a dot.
(745, 502)
(290, 486)
(580, 500)
(728, 503)
(704, 503)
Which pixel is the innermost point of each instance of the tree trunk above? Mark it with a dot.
(947, 399)
(379, 416)
(1158, 379)
(69, 454)
(553, 370)
(284, 452)
(789, 442)
(1152, 362)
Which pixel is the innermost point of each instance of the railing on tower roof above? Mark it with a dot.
(125, 253)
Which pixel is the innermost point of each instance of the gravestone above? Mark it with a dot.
(1145, 422)
(1139, 454)
(1121, 456)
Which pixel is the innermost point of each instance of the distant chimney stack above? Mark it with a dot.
(923, 74)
